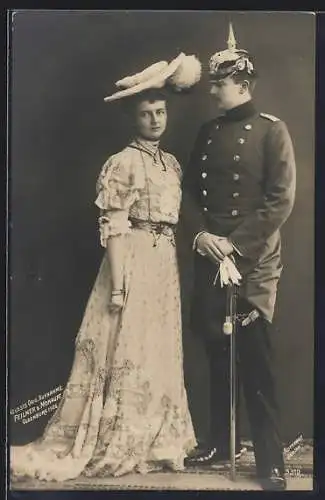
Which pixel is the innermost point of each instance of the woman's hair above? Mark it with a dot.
(130, 103)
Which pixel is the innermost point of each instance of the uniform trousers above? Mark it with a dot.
(255, 375)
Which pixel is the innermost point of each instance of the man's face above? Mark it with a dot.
(226, 92)
(151, 119)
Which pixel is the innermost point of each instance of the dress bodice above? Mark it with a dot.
(141, 182)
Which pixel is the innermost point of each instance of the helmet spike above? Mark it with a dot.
(231, 42)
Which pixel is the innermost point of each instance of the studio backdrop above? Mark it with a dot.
(61, 132)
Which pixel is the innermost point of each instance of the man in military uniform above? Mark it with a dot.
(238, 190)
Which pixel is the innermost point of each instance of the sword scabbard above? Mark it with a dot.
(232, 298)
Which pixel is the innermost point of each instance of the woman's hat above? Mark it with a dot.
(181, 73)
(230, 61)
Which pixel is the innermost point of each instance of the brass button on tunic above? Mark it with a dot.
(252, 215)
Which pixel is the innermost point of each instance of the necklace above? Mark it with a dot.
(154, 154)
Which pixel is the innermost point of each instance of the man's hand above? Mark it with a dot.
(225, 246)
(214, 247)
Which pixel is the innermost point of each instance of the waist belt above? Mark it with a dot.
(156, 228)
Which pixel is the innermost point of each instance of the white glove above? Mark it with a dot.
(228, 273)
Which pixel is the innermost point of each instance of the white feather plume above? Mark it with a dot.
(146, 74)
(187, 74)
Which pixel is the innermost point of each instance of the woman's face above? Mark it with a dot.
(151, 119)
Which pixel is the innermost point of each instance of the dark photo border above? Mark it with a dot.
(319, 394)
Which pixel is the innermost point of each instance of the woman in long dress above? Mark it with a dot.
(125, 406)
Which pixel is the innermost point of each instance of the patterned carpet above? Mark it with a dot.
(298, 459)
(299, 465)
(161, 482)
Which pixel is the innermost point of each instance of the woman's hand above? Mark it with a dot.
(117, 300)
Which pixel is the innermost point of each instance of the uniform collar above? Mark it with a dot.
(240, 112)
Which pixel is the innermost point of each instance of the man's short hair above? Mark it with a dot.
(242, 76)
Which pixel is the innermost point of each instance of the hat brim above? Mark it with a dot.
(221, 75)
(156, 81)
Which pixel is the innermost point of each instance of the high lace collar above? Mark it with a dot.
(150, 147)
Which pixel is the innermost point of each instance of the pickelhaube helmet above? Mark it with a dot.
(231, 61)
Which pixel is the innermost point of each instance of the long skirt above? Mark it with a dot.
(124, 407)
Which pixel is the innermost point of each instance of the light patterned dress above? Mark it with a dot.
(125, 406)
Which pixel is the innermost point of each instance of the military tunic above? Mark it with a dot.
(240, 183)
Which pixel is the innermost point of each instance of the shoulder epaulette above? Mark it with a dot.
(269, 117)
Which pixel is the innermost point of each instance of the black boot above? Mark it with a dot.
(275, 480)
(210, 456)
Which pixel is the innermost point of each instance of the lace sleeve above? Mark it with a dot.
(116, 193)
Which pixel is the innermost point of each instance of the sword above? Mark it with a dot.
(230, 328)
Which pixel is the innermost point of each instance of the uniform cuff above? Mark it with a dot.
(194, 246)
(236, 248)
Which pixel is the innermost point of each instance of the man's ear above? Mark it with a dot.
(244, 86)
